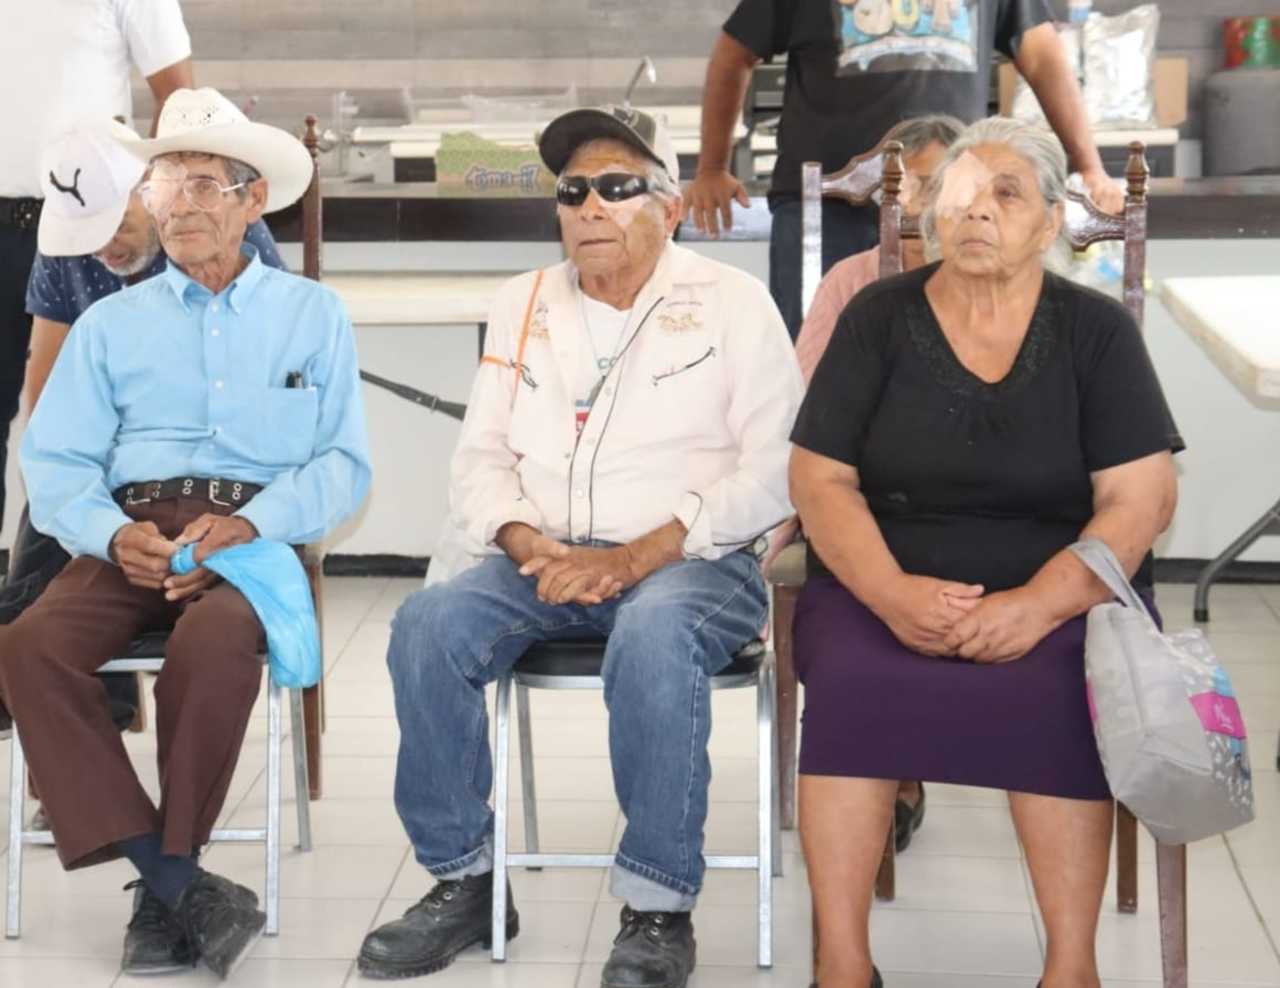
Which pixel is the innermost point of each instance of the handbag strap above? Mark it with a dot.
(1097, 555)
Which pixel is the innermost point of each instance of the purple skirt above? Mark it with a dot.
(875, 709)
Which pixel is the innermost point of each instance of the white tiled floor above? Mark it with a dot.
(963, 918)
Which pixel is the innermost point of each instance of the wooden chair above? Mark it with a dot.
(882, 168)
(313, 555)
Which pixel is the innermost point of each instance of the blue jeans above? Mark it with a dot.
(666, 636)
(846, 230)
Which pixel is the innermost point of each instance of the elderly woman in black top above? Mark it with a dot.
(970, 420)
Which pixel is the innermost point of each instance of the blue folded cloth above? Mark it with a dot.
(272, 579)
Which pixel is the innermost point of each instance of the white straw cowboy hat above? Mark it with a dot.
(86, 178)
(205, 121)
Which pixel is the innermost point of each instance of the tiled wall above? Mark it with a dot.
(294, 53)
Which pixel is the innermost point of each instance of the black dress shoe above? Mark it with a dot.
(906, 821)
(220, 919)
(652, 950)
(154, 942)
(454, 915)
(876, 980)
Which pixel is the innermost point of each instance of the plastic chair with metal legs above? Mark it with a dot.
(147, 655)
(577, 665)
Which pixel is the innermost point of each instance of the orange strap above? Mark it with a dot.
(524, 337)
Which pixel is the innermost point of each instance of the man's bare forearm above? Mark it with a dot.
(1042, 60)
(728, 72)
(515, 538)
(659, 548)
(47, 338)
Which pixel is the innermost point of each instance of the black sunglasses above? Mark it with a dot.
(572, 190)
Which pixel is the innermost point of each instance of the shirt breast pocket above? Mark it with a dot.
(286, 427)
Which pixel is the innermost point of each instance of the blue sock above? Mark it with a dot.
(166, 875)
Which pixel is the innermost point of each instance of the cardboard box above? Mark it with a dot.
(1171, 73)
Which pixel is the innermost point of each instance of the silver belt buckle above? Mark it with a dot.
(130, 499)
(215, 486)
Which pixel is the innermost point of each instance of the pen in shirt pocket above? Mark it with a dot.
(293, 379)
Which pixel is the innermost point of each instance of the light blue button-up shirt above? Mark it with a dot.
(165, 379)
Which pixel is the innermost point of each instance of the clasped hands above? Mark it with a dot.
(578, 574)
(945, 618)
(144, 554)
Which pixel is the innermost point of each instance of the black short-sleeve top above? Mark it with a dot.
(974, 481)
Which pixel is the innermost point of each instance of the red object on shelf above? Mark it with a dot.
(1252, 42)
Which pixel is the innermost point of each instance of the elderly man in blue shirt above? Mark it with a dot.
(95, 238)
(213, 404)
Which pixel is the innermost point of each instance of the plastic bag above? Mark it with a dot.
(272, 579)
(1119, 62)
(1100, 266)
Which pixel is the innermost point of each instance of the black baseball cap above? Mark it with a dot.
(642, 131)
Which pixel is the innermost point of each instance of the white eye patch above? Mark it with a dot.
(965, 179)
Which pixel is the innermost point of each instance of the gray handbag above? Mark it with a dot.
(1168, 726)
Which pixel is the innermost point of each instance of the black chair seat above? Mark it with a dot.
(146, 646)
(586, 658)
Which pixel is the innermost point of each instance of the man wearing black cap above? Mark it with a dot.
(625, 445)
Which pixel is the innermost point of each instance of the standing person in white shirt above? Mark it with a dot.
(61, 62)
(624, 447)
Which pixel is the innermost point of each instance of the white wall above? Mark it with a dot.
(1230, 473)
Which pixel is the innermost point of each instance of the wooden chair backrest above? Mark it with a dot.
(312, 210)
(882, 168)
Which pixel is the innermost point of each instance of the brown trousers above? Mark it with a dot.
(204, 695)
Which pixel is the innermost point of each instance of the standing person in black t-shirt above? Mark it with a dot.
(854, 69)
(969, 421)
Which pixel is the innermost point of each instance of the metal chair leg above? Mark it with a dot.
(17, 809)
(502, 766)
(528, 785)
(778, 783)
(1268, 524)
(301, 785)
(767, 819)
(273, 809)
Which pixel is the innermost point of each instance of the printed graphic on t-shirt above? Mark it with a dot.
(907, 35)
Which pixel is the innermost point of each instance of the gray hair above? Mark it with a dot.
(917, 133)
(239, 172)
(661, 183)
(1034, 143)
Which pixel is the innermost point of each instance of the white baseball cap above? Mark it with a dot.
(86, 176)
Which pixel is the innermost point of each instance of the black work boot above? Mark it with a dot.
(154, 942)
(454, 915)
(876, 981)
(220, 919)
(652, 950)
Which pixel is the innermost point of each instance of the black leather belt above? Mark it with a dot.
(231, 493)
(24, 214)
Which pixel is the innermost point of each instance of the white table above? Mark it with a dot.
(418, 298)
(1236, 320)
